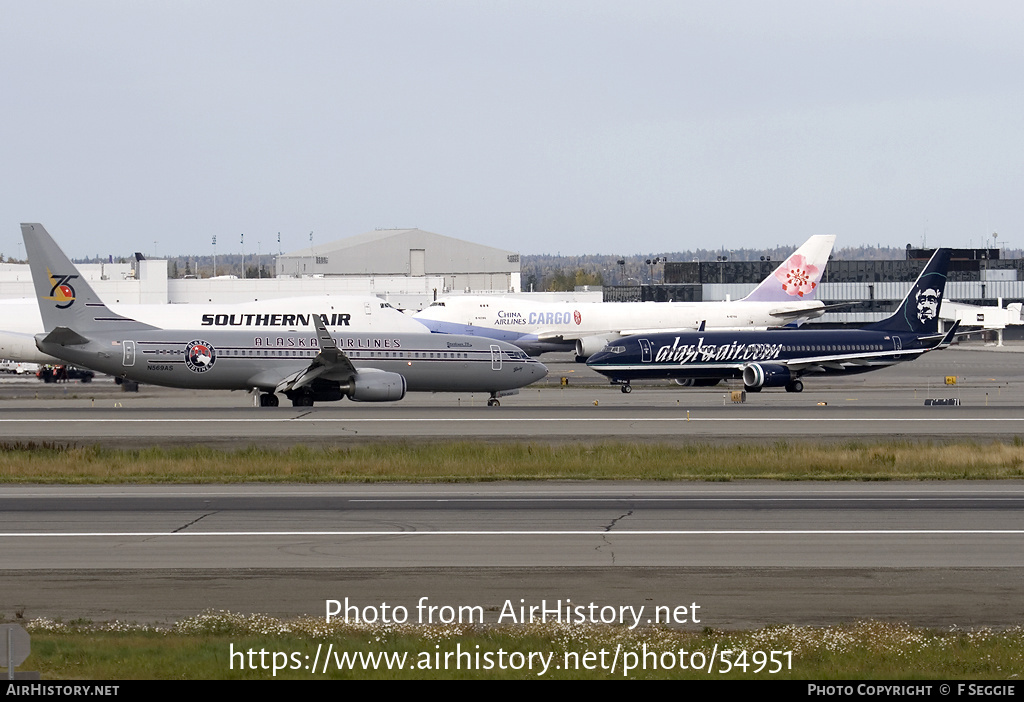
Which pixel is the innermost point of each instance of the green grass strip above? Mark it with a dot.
(201, 648)
(485, 461)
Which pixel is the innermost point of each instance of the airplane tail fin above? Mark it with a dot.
(798, 276)
(65, 298)
(919, 312)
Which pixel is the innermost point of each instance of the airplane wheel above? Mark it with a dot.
(302, 401)
(493, 403)
(795, 386)
(627, 389)
(268, 399)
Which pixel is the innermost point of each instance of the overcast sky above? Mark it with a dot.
(539, 127)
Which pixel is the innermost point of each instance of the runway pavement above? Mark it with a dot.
(750, 554)
(989, 387)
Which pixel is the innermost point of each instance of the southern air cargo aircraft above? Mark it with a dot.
(784, 297)
(781, 357)
(305, 366)
(341, 313)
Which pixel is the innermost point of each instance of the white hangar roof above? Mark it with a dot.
(412, 252)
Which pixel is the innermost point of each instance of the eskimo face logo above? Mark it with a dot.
(61, 290)
(927, 303)
(577, 317)
(798, 277)
(199, 356)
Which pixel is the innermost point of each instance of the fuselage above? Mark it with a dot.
(538, 327)
(21, 320)
(228, 360)
(725, 354)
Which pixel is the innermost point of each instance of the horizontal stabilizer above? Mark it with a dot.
(65, 337)
(813, 308)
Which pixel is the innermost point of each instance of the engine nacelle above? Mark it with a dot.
(372, 385)
(587, 346)
(766, 375)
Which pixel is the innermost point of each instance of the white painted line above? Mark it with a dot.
(868, 497)
(599, 532)
(484, 420)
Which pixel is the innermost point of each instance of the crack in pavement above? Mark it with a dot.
(607, 529)
(186, 526)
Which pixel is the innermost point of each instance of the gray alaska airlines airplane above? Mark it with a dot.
(781, 357)
(304, 365)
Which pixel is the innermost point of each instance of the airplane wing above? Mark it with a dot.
(330, 361)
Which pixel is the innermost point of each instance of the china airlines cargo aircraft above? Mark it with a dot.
(786, 297)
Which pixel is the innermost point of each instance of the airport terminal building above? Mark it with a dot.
(869, 290)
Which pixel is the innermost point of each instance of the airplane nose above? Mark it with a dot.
(539, 371)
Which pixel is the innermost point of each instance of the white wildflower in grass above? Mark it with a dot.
(891, 639)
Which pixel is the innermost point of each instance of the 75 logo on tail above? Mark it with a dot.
(62, 292)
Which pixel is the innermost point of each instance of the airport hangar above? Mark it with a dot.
(411, 267)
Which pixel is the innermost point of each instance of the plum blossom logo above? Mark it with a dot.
(798, 277)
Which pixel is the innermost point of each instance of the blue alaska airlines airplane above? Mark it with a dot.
(781, 357)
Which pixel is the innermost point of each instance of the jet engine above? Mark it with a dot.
(372, 385)
(587, 346)
(766, 375)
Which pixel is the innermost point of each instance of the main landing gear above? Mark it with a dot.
(794, 386)
(268, 399)
(493, 402)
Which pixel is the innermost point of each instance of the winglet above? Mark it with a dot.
(329, 351)
(798, 276)
(950, 335)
